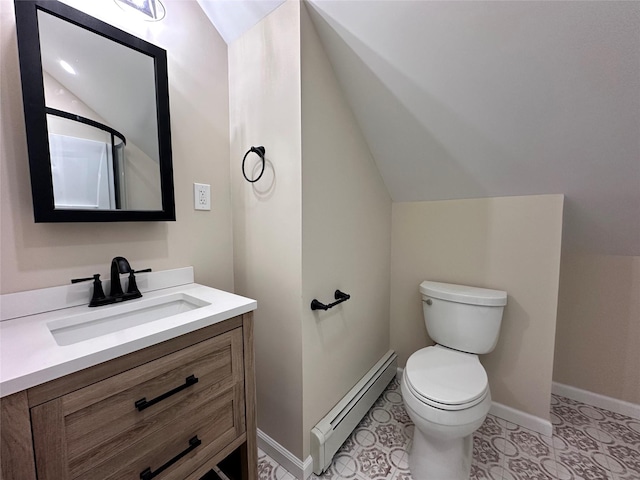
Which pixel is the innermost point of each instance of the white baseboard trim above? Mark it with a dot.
(597, 400)
(526, 420)
(292, 464)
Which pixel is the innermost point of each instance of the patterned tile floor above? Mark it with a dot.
(588, 443)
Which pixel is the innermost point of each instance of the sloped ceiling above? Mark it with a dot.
(234, 17)
(467, 99)
(482, 99)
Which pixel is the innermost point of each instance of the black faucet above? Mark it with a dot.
(119, 265)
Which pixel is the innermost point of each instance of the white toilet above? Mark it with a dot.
(444, 387)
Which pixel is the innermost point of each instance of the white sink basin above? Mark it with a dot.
(111, 319)
(51, 332)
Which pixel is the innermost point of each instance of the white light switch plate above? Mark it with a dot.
(202, 196)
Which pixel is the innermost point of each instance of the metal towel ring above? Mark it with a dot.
(260, 151)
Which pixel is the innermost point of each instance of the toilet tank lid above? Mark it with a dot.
(464, 294)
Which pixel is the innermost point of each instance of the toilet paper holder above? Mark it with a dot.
(338, 295)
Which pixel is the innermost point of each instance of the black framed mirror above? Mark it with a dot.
(96, 105)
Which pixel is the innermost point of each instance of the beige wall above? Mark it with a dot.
(40, 255)
(283, 95)
(598, 333)
(346, 241)
(508, 243)
(264, 72)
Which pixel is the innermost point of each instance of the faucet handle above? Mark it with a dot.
(98, 293)
(98, 296)
(132, 289)
(78, 280)
(133, 286)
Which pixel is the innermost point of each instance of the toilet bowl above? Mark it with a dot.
(444, 425)
(444, 387)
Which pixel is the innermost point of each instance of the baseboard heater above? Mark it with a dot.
(331, 432)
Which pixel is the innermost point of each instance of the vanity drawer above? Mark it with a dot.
(105, 426)
(213, 424)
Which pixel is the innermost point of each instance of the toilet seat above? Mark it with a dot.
(446, 379)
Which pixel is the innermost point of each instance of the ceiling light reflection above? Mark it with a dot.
(67, 67)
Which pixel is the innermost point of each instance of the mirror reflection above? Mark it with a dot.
(100, 102)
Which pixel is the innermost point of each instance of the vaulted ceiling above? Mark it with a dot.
(481, 99)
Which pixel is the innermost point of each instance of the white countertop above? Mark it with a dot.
(30, 355)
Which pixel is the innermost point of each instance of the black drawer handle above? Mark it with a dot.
(142, 403)
(147, 474)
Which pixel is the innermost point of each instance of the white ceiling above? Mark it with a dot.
(465, 99)
(234, 17)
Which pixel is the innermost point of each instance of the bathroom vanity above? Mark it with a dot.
(180, 401)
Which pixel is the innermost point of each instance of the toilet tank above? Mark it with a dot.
(461, 317)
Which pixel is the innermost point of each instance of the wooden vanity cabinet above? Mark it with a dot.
(171, 411)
